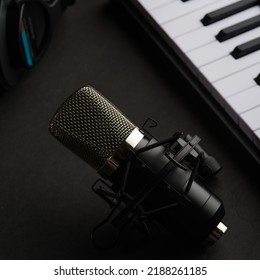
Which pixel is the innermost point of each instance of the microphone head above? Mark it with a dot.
(92, 127)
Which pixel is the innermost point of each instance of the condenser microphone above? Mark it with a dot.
(147, 179)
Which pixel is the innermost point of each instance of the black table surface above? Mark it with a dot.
(47, 209)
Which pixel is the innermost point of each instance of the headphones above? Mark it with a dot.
(25, 31)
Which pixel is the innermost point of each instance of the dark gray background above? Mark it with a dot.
(47, 209)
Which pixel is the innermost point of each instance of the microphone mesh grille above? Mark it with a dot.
(89, 125)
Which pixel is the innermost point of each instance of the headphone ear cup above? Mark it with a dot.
(28, 33)
(8, 73)
(25, 31)
(12, 41)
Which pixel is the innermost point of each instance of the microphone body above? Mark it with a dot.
(195, 217)
(157, 186)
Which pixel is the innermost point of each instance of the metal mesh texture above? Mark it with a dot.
(89, 125)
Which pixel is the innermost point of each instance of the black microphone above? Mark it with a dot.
(145, 179)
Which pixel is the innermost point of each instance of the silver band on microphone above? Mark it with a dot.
(113, 162)
(217, 233)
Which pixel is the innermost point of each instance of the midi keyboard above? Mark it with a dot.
(215, 44)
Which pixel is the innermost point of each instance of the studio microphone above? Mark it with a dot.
(146, 181)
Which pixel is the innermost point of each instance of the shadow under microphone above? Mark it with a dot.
(146, 181)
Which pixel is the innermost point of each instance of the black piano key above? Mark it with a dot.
(227, 11)
(237, 29)
(246, 48)
(257, 79)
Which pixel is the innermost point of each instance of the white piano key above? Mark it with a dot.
(216, 50)
(237, 82)
(187, 23)
(206, 34)
(242, 102)
(151, 4)
(250, 121)
(177, 9)
(227, 66)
